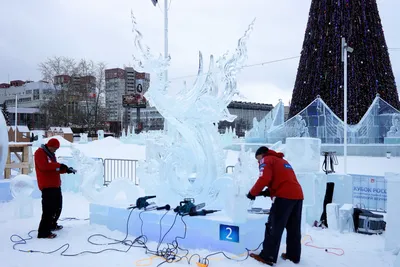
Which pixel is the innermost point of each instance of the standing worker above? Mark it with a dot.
(287, 202)
(48, 172)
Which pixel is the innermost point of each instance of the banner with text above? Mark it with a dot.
(369, 192)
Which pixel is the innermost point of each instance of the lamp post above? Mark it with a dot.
(16, 118)
(345, 48)
(155, 2)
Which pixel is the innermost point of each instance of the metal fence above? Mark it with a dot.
(120, 168)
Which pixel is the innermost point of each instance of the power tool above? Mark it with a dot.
(141, 203)
(187, 205)
(202, 212)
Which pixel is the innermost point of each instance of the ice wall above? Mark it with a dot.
(3, 143)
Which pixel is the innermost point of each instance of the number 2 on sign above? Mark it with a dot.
(228, 236)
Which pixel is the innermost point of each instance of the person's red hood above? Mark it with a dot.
(274, 154)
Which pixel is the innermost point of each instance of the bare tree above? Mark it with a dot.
(78, 102)
(57, 66)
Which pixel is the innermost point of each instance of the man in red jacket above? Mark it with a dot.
(48, 172)
(287, 197)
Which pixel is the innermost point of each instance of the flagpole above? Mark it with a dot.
(16, 116)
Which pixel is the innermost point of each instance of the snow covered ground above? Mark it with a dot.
(348, 249)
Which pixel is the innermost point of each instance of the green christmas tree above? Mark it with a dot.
(320, 70)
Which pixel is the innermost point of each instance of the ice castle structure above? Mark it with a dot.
(380, 124)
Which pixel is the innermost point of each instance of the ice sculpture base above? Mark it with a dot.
(203, 232)
(23, 207)
(391, 140)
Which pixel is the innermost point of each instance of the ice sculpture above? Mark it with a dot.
(395, 128)
(100, 134)
(119, 192)
(191, 166)
(274, 118)
(83, 138)
(380, 124)
(22, 187)
(39, 141)
(3, 143)
(244, 176)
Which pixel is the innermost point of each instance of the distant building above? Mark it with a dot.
(82, 92)
(23, 133)
(245, 112)
(31, 117)
(29, 94)
(64, 132)
(120, 82)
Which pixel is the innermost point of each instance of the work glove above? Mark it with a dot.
(265, 193)
(71, 170)
(63, 167)
(250, 196)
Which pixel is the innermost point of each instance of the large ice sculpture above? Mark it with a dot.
(189, 164)
(3, 143)
(378, 125)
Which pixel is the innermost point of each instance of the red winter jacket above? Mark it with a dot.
(47, 169)
(277, 174)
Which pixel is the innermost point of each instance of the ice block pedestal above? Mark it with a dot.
(343, 191)
(392, 235)
(214, 232)
(314, 187)
(303, 153)
(304, 156)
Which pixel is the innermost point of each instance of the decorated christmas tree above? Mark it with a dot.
(320, 70)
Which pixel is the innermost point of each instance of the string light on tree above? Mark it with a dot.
(370, 70)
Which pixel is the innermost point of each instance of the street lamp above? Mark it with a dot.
(155, 2)
(345, 48)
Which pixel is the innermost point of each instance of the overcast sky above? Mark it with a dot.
(32, 30)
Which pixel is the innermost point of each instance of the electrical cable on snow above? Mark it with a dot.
(327, 249)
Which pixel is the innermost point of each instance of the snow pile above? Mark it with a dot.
(106, 142)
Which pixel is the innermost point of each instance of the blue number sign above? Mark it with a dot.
(229, 233)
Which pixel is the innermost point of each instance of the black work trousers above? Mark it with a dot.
(284, 213)
(51, 210)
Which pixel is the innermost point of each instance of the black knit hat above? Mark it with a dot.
(261, 150)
